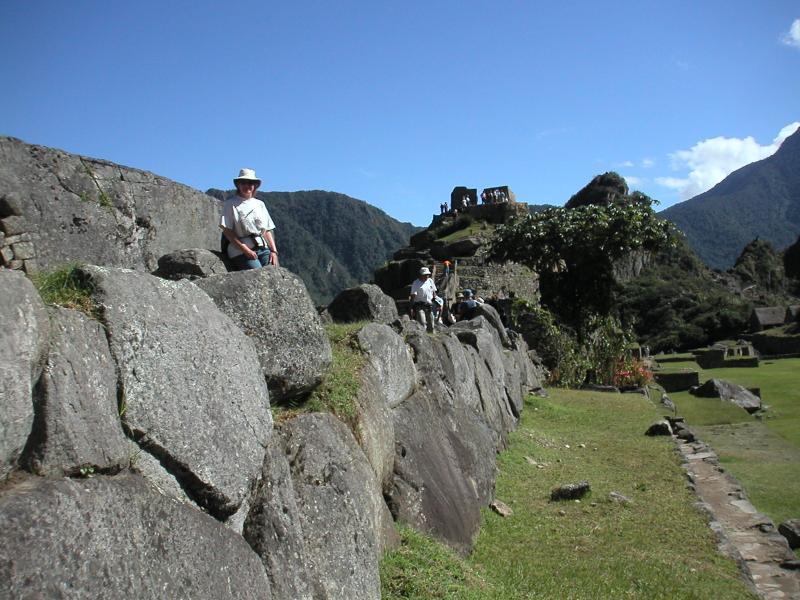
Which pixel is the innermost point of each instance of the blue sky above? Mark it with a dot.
(397, 103)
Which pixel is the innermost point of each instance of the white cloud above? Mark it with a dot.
(648, 163)
(632, 181)
(625, 164)
(792, 38)
(711, 160)
(672, 182)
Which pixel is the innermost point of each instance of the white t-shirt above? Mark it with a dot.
(422, 291)
(245, 217)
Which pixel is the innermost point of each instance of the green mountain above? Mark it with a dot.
(760, 200)
(330, 240)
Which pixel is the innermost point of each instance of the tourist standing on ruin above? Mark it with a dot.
(247, 226)
(423, 291)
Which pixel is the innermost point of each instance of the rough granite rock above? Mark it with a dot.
(570, 491)
(533, 373)
(457, 371)
(342, 513)
(514, 382)
(375, 426)
(145, 464)
(388, 378)
(193, 263)
(115, 537)
(490, 313)
(25, 328)
(365, 302)
(444, 468)
(271, 305)
(81, 209)
(730, 392)
(391, 359)
(659, 428)
(272, 528)
(483, 348)
(77, 424)
(192, 389)
(430, 490)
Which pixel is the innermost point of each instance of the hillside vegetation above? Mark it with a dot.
(330, 240)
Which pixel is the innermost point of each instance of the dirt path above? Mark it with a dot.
(746, 535)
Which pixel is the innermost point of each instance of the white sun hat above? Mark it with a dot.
(247, 175)
(424, 271)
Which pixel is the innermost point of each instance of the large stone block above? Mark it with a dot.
(444, 468)
(97, 212)
(192, 263)
(441, 476)
(272, 528)
(391, 359)
(25, 328)
(484, 349)
(193, 393)
(115, 537)
(729, 392)
(342, 513)
(365, 302)
(77, 423)
(272, 306)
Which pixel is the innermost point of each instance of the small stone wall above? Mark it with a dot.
(677, 381)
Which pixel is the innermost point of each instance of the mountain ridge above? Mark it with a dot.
(759, 200)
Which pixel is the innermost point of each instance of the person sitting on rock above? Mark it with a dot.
(466, 309)
(437, 308)
(423, 290)
(247, 226)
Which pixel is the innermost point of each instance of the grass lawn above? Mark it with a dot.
(764, 455)
(658, 546)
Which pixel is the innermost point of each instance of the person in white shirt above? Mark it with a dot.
(422, 292)
(247, 226)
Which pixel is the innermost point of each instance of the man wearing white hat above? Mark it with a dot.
(246, 224)
(422, 292)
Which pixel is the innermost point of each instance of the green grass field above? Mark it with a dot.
(658, 546)
(764, 455)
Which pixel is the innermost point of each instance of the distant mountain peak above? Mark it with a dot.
(761, 199)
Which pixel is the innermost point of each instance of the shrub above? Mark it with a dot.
(605, 345)
(554, 344)
(631, 373)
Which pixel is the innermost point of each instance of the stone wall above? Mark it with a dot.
(677, 381)
(139, 456)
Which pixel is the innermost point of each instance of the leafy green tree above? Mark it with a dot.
(574, 249)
